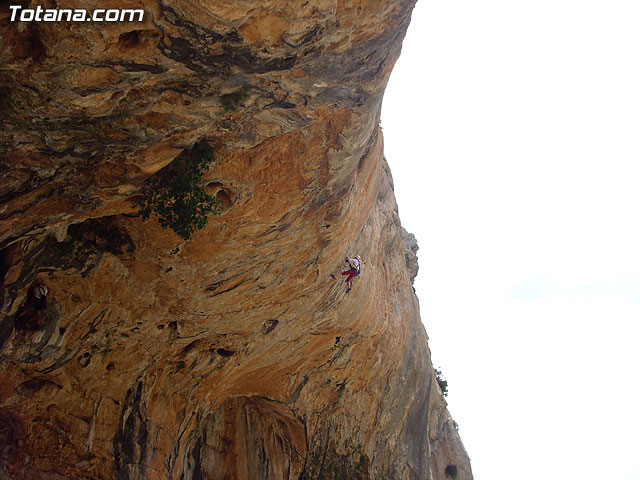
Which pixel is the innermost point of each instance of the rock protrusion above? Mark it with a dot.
(410, 251)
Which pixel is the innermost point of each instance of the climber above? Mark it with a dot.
(354, 270)
(40, 292)
(31, 315)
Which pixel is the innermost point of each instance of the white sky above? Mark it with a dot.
(513, 133)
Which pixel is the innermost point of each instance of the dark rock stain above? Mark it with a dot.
(296, 394)
(130, 441)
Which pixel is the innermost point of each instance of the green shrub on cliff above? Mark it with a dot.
(175, 196)
(231, 101)
(444, 386)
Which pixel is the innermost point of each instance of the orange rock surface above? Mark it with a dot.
(233, 355)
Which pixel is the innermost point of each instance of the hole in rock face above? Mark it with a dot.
(190, 347)
(129, 39)
(135, 38)
(451, 471)
(248, 437)
(225, 200)
(223, 352)
(38, 50)
(84, 359)
(222, 193)
(268, 326)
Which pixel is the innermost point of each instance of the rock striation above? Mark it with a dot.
(234, 355)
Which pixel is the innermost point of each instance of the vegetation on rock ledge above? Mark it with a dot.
(231, 101)
(444, 385)
(174, 193)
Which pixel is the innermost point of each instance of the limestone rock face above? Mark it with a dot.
(234, 355)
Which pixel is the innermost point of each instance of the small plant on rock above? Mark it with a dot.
(442, 382)
(174, 193)
(231, 101)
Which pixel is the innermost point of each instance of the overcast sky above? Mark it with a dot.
(513, 133)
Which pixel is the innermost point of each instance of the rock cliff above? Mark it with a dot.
(233, 355)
